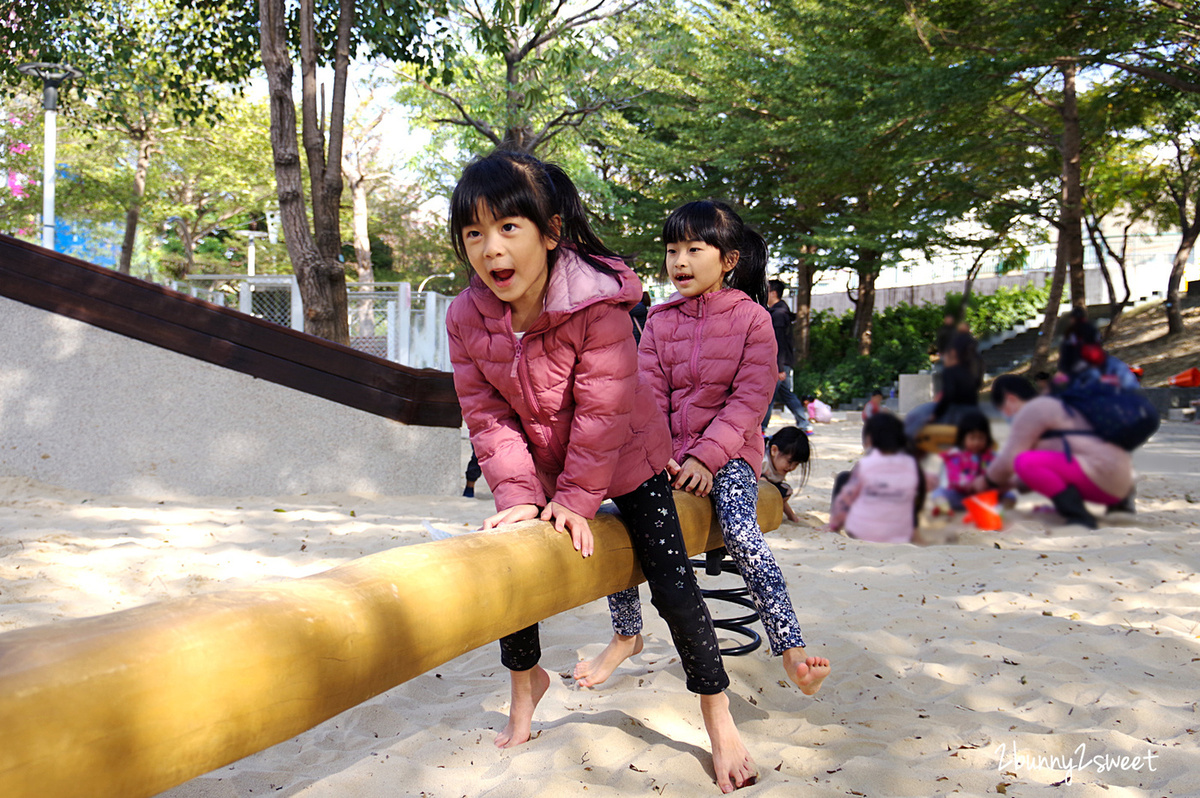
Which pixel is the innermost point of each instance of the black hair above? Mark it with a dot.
(777, 286)
(793, 444)
(1041, 375)
(1079, 334)
(718, 225)
(886, 433)
(877, 392)
(967, 349)
(974, 421)
(518, 184)
(1013, 384)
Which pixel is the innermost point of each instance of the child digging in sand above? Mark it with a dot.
(709, 355)
(545, 367)
(787, 450)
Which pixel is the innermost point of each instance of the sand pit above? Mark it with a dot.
(1006, 661)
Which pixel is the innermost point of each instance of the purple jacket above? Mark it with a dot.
(710, 361)
(560, 413)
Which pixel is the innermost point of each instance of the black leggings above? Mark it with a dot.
(649, 512)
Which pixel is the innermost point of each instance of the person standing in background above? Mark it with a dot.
(781, 322)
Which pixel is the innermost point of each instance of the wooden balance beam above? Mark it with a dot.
(133, 703)
(934, 438)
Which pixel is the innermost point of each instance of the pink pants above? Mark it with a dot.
(1050, 473)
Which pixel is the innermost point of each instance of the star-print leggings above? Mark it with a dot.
(649, 512)
(735, 499)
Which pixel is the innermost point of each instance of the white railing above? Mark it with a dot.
(389, 320)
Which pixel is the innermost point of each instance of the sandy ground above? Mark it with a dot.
(995, 663)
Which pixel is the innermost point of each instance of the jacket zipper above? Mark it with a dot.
(520, 370)
(694, 365)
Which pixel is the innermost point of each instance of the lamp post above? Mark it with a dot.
(421, 287)
(53, 76)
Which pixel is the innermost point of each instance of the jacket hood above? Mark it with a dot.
(714, 302)
(573, 285)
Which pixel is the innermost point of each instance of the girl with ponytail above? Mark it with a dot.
(546, 371)
(708, 353)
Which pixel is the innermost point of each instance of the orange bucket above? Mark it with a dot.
(1186, 379)
(983, 510)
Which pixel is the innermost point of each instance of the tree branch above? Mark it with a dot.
(1158, 75)
(467, 120)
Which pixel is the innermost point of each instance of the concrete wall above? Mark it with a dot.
(88, 409)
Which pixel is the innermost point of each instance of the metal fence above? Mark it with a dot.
(388, 320)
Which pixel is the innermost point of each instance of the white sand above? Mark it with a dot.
(1053, 640)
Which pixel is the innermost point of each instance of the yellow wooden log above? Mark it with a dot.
(133, 703)
(934, 438)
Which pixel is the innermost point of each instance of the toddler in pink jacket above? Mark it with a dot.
(545, 367)
(708, 354)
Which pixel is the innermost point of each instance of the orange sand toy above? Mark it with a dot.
(1186, 379)
(983, 510)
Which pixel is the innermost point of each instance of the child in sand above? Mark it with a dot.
(709, 355)
(974, 450)
(881, 497)
(787, 450)
(545, 367)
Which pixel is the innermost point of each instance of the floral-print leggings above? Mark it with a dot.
(735, 499)
(649, 512)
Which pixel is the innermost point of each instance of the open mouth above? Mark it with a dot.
(503, 275)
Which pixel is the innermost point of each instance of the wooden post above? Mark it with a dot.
(133, 703)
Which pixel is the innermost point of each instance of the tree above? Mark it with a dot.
(1121, 189)
(1165, 46)
(314, 258)
(392, 31)
(138, 79)
(18, 164)
(417, 239)
(535, 71)
(1178, 132)
(211, 174)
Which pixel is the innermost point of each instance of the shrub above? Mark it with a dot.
(901, 337)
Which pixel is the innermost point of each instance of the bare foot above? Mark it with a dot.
(731, 760)
(591, 672)
(807, 673)
(528, 687)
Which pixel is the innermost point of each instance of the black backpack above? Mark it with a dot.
(1123, 418)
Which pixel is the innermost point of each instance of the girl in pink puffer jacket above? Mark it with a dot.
(709, 354)
(545, 367)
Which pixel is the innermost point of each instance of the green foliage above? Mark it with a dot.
(902, 337)
(1004, 309)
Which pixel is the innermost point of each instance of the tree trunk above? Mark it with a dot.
(324, 168)
(1115, 306)
(145, 145)
(322, 281)
(188, 240)
(1174, 312)
(804, 285)
(1041, 350)
(1071, 212)
(518, 135)
(969, 284)
(864, 308)
(364, 313)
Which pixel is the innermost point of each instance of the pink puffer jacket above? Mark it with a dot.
(711, 363)
(559, 414)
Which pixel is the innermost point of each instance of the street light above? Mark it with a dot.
(53, 76)
(421, 287)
